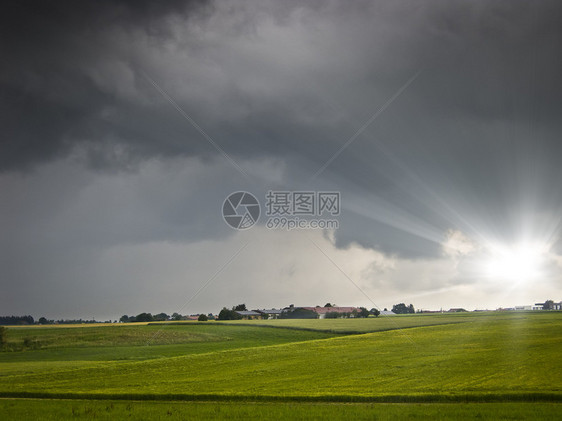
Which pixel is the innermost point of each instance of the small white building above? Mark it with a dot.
(387, 313)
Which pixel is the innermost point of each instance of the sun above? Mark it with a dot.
(518, 263)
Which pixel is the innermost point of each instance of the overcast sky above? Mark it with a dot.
(125, 125)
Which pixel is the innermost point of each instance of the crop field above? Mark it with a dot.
(368, 325)
(462, 366)
(54, 345)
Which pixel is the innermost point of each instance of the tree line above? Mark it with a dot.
(161, 317)
(293, 312)
(225, 314)
(29, 320)
(16, 320)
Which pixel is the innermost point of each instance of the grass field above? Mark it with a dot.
(54, 410)
(140, 342)
(502, 363)
(356, 326)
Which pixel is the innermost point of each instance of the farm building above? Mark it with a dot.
(387, 313)
(554, 306)
(249, 315)
(271, 313)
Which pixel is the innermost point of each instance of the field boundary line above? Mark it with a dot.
(555, 397)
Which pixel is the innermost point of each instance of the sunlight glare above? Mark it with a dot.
(521, 262)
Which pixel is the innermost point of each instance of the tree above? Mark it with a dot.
(3, 332)
(226, 314)
(548, 305)
(202, 318)
(176, 316)
(332, 315)
(399, 308)
(240, 307)
(363, 312)
(298, 313)
(376, 312)
(144, 317)
(403, 309)
(124, 319)
(161, 317)
(43, 321)
(329, 305)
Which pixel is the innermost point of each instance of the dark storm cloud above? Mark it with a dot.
(50, 49)
(71, 72)
(294, 81)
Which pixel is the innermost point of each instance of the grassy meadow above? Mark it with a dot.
(426, 366)
(54, 410)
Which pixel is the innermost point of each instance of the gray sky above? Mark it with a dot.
(111, 198)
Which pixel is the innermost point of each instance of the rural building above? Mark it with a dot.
(249, 315)
(387, 313)
(555, 306)
(271, 314)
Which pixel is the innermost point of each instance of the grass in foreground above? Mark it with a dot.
(109, 410)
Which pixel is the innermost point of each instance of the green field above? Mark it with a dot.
(54, 410)
(488, 364)
(139, 342)
(372, 324)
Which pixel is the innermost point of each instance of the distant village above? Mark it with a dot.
(241, 312)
